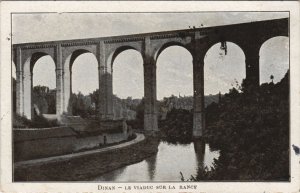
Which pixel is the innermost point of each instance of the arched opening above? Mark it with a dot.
(39, 85)
(84, 84)
(44, 86)
(223, 71)
(174, 69)
(128, 83)
(174, 72)
(274, 59)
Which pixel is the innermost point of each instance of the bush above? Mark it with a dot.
(36, 122)
(178, 126)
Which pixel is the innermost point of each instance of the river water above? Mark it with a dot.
(166, 165)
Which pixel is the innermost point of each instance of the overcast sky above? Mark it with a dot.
(174, 66)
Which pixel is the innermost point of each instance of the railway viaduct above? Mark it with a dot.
(248, 36)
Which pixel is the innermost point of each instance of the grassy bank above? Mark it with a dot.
(88, 167)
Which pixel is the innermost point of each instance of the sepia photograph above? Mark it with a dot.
(151, 97)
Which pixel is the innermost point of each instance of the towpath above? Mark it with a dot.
(139, 137)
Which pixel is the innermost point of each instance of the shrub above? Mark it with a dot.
(36, 122)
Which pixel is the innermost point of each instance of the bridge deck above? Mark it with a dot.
(141, 36)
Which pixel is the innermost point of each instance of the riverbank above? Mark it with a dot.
(86, 166)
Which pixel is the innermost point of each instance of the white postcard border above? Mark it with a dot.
(135, 6)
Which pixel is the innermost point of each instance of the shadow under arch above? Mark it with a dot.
(28, 66)
(274, 58)
(67, 80)
(224, 67)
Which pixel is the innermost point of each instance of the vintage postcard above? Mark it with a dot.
(124, 97)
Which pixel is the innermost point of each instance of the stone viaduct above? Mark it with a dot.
(248, 36)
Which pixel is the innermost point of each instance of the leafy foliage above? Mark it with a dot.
(251, 129)
(36, 122)
(82, 105)
(178, 126)
(138, 123)
(44, 99)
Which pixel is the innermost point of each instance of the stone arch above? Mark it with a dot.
(266, 39)
(178, 68)
(113, 55)
(68, 63)
(214, 41)
(169, 44)
(266, 49)
(277, 28)
(30, 61)
(28, 83)
(126, 61)
(75, 54)
(67, 78)
(221, 74)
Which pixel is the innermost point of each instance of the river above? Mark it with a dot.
(166, 165)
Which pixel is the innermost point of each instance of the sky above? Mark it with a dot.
(174, 65)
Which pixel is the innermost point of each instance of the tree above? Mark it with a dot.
(45, 99)
(95, 98)
(140, 110)
(251, 130)
(272, 77)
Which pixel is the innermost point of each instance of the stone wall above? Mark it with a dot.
(39, 143)
(89, 165)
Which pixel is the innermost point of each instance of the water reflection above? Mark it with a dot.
(199, 147)
(151, 162)
(167, 164)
